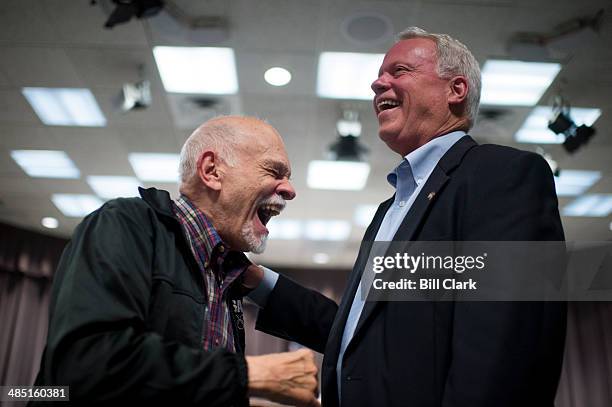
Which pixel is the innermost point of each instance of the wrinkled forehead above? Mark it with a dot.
(263, 139)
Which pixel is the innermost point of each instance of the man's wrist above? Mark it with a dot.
(260, 294)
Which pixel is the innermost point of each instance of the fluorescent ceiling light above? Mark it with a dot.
(516, 83)
(347, 75)
(277, 76)
(65, 106)
(197, 69)
(293, 229)
(285, 229)
(155, 167)
(342, 175)
(49, 222)
(46, 163)
(76, 205)
(535, 129)
(599, 205)
(575, 182)
(364, 214)
(334, 230)
(320, 258)
(109, 187)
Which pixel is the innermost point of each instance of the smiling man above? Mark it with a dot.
(447, 188)
(147, 298)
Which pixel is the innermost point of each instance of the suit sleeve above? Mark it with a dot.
(508, 353)
(97, 342)
(297, 314)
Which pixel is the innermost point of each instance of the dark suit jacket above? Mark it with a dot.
(422, 354)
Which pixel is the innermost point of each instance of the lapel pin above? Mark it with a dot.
(431, 195)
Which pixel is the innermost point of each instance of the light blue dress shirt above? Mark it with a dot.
(408, 178)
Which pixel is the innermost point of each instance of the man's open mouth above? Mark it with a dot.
(266, 211)
(386, 104)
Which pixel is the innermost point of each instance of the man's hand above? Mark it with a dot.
(287, 378)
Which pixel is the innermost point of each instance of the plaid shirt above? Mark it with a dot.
(211, 255)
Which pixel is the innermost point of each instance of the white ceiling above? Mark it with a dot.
(62, 43)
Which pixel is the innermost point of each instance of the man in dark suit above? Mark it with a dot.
(448, 188)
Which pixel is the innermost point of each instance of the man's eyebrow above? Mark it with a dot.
(279, 166)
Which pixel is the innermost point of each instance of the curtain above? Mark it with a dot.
(27, 262)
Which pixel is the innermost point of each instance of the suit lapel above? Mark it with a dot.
(417, 213)
(335, 336)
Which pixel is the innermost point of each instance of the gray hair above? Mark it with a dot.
(214, 135)
(454, 58)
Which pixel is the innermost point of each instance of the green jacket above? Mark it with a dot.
(127, 314)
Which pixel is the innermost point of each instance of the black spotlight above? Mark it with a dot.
(576, 139)
(562, 123)
(126, 9)
(347, 148)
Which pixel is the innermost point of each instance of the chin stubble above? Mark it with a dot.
(254, 244)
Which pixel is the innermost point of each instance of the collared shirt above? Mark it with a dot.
(211, 255)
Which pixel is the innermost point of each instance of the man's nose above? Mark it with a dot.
(286, 190)
(381, 83)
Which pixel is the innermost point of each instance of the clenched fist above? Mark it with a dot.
(287, 378)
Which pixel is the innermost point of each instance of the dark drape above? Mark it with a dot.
(28, 260)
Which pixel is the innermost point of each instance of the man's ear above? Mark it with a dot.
(208, 170)
(458, 90)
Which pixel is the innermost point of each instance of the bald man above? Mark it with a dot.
(147, 298)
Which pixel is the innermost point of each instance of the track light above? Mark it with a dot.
(562, 123)
(347, 146)
(126, 9)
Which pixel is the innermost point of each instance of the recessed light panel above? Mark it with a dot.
(575, 182)
(109, 187)
(516, 83)
(205, 70)
(347, 75)
(65, 106)
(285, 229)
(340, 175)
(76, 205)
(314, 229)
(46, 163)
(334, 230)
(155, 167)
(596, 205)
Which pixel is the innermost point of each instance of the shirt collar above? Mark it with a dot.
(423, 160)
(200, 230)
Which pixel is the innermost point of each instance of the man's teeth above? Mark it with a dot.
(387, 104)
(265, 212)
(270, 210)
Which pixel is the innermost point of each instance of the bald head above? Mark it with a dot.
(224, 135)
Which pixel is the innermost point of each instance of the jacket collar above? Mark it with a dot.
(159, 200)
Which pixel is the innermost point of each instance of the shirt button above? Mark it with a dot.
(206, 264)
(216, 341)
(402, 203)
(221, 248)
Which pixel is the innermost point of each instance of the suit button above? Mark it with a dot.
(349, 378)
